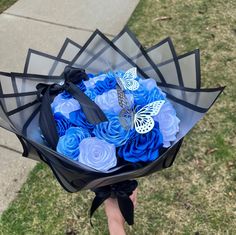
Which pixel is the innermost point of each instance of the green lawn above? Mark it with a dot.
(4, 4)
(196, 195)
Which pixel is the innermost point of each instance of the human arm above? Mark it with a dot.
(114, 217)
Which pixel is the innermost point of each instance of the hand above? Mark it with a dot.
(114, 216)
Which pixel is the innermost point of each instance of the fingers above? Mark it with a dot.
(133, 197)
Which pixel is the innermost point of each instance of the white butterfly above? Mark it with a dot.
(142, 120)
(128, 80)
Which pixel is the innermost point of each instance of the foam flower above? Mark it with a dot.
(168, 122)
(92, 81)
(97, 154)
(142, 148)
(108, 101)
(112, 131)
(68, 144)
(64, 105)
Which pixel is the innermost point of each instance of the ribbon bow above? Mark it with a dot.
(121, 191)
(91, 110)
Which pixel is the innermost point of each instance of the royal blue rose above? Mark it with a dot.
(140, 96)
(90, 75)
(155, 94)
(107, 84)
(62, 124)
(142, 147)
(144, 96)
(79, 119)
(68, 144)
(112, 131)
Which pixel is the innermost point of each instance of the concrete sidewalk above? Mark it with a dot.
(43, 25)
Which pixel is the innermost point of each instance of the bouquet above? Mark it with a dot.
(102, 114)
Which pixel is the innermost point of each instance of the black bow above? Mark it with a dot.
(91, 110)
(121, 191)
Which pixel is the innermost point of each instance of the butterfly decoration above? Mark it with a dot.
(142, 120)
(128, 82)
(122, 99)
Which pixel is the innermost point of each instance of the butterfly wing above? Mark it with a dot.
(151, 109)
(128, 80)
(143, 124)
(130, 84)
(130, 74)
(143, 120)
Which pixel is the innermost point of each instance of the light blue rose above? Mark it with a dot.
(112, 131)
(62, 104)
(108, 101)
(68, 144)
(148, 83)
(92, 81)
(97, 154)
(168, 122)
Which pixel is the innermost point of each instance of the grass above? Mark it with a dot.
(196, 195)
(4, 4)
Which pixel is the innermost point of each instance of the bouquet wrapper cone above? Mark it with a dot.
(178, 76)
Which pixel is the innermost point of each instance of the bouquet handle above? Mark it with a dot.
(122, 191)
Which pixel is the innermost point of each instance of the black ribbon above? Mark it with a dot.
(122, 192)
(46, 93)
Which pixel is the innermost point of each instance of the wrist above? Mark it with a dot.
(116, 227)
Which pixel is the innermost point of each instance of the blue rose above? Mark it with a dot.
(144, 96)
(142, 147)
(107, 84)
(112, 131)
(79, 119)
(148, 83)
(168, 122)
(62, 104)
(140, 95)
(90, 75)
(68, 144)
(109, 103)
(97, 154)
(92, 81)
(155, 94)
(62, 124)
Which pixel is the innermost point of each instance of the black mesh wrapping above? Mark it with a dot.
(178, 76)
